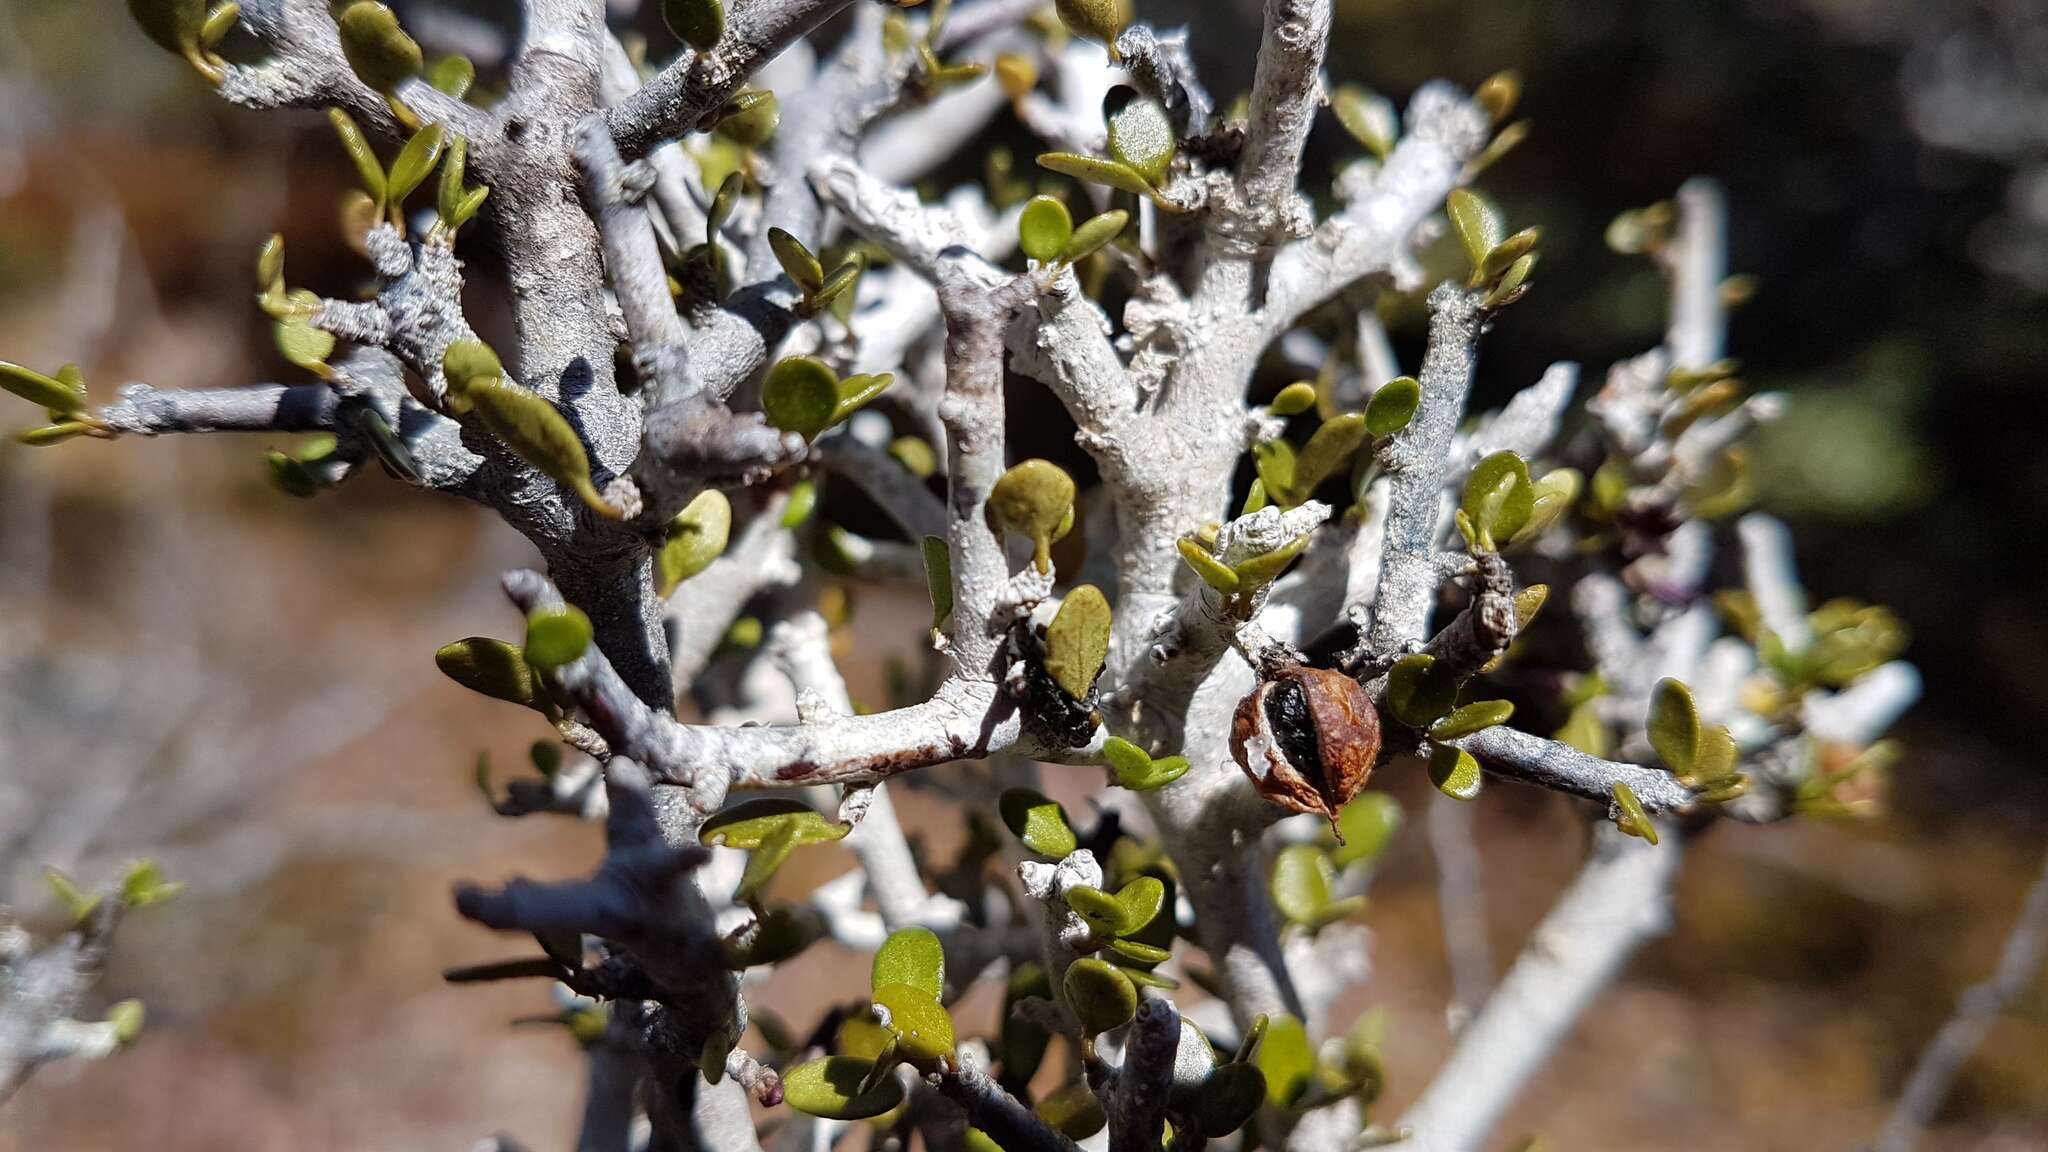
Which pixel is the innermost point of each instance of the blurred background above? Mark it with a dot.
(198, 668)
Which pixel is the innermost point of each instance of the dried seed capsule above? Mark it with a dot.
(1307, 737)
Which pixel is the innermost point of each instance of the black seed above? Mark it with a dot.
(1287, 715)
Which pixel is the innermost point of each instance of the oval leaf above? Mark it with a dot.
(1393, 406)
(696, 537)
(1077, 641)
(379, 51)
(556, 636)
(1110, 173)
(801, 395)
(1101, 996)
(539, 435)
(750, 824)
(1093, 234)
(832, 1088)
(1454, 772)
(698, 23)
(1037, 821)
(1044, 228)
(913, 957)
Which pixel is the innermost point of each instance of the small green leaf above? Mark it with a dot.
(1038, 822)
(1674, 726)
(1215, 573)
(803, 500)
(1263, 569)
(923, 1031)
(856, 391)
(303, 345)
(379, 51)
(913, 957)
(369, 169)
(1100, 994)
(1077, 641)
(1110, 173)
(52, 433)
(1327, 451)
(1073, 1112)
(1033, 499)
(1099, 20)
(1229, 1098)
(839, 283)
(1420, 688)
(556, 636)
(414, 162)
(126, 1018)
(1136, 770)
(1287, 1060)
(452, 75)
(797, 261)
(1498, 499)
(778, 935)
(938, 578)
(1300, 887)
(1276, 464)
(1294, 399)
(763, 863)
(1393, 406)
(1044, 228)
(1476, 221)
(1550, 498)
(1454, 772)
(469, 362)
(723, 202)
(801, 395)
(1629, 815)
(750, 118)
(449, 192)
(1512, 285)
(831, 1088)
(750, 824)
(493, 668)
(1139, 952)
(1093, 234)
(1368, 116)
(1137, 904)
(1508, 251)
(538, 434)
(1140, 135)
(698, 23)
(77, 904)
(1254, 497)
(1473, 717)
(1365, 827)
(40, 390)
(696, 537)
(144, 885)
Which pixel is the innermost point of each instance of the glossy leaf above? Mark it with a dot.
(1039, 822)
(1110, 173)
(1093, 233)
(493, 668)
(856, 391)
(1499, 94)
(801, 395)
(1275, 463)
(538, 434)
(1140, 135)
(1033, 499)
(1044, 228)
(1674, 725)
(832, 1088)
(467, 362)
(1368, 116)
(1261, 570)
(414, 161)
(1498, 499)
(1101, 995)
(1473, 717)
(1454, 771)
(1229, 1099)
(698, 23)
(1136, 770)
(1327, 451)
(778, 935)
(1077, 641)
(379, 51)
(1215, 573)
(913, 957)
(40, 390)
(751, 823)
(803, 500)
(1629, 815)
(1420, 688)
(923, 1031)
(839, 283)
(750, 118)
(1393, 406)
(556, 636)
(1477, 223)
(452, 75)
(695, 538)
(1300, 886)
(1073, 1111)
(303, 345)
(369, 169)
(1294, 399)
(796, 260)
(1287, 1061)
(1099, 20)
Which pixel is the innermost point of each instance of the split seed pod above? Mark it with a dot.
(1307, 737)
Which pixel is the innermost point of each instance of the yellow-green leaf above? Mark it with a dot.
(923, 1031)
(1093, 234)
(1498, 499)
(379, 51)
(1100, 994)
(1420, 688)
(751, 823)
(1300, 887)
(1140, 136)
(539, 435)
(1099, 20)
(1674, 725)
(1477, 223)
(1393, 406)
(698, 23)
(1215, 573)
(556, 636)
(832, 1088)
(1365, 827)
(1471, 718)
(493, 668)
(1287, 1061)
(1077, 641)
(415, 161)
(913, 957)
(1033, 499)
(40, 390)
(696, 537)
(801, 395)
(1454, 771)
(1629, 815)
(1039, 822)
(1110, 173)
(1044, 228)
(1294, 399)
(796, 260)
(368, 168)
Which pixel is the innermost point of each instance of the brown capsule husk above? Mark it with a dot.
(1308, 738)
